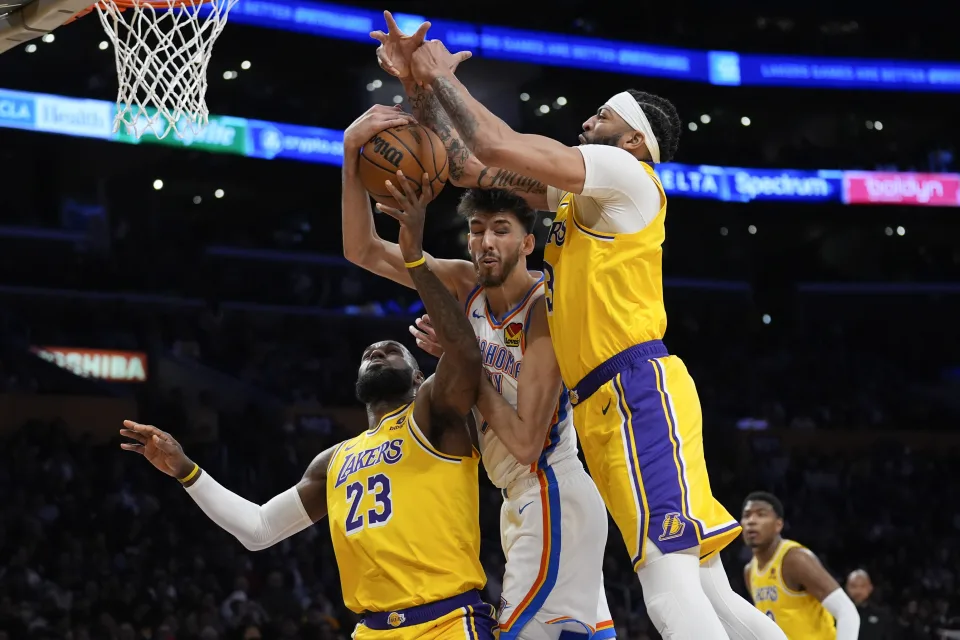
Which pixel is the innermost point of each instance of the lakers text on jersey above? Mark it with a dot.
(550, 578)
(636, 408)
(405, 529)
(797, 613)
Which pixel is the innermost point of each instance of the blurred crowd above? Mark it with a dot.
(96, 543)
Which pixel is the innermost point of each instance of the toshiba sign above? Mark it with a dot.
(103, 364)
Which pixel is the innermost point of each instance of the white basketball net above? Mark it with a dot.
(162, 55)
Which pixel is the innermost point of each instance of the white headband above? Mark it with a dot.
(627, 108)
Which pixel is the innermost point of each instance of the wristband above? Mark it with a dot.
(415, 263)
(191, 475)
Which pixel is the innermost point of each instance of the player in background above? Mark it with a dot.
(788, 583)
(553, 582)
(402, 497)
(635, 406)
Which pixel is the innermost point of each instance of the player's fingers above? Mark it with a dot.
(145, 429)
(396, 214)
(428, 330)
(460, 57)
(133, 435)
(409, 193)
(399, 197)
(379, 36)
(421, 32)
(426, 189)
(392, 24)
(129, 446)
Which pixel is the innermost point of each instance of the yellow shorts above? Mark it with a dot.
(642, 436)
(462, 617)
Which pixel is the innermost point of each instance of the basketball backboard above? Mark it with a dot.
(24, 20)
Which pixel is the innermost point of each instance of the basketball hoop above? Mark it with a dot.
(162, 49)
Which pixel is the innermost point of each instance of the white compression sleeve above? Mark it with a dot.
(842, 608)
(256, 527)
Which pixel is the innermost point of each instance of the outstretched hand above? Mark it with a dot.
(395, 53)
(426, 336)
(396, 47)
(410, 215)
(158, 447)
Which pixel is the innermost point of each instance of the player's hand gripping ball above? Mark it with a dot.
(410, 148)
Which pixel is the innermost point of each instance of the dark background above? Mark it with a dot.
(824, 343)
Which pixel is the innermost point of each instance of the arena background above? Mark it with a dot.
(199, 285)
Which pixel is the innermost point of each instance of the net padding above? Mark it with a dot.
(162, 49)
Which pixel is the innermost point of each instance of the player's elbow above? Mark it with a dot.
(253, 545)
(355, 253)
(529, 453)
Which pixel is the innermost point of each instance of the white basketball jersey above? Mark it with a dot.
(502, 343)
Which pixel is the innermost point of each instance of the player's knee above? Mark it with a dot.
(666, 614)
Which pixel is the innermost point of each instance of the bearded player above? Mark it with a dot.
(553, 522)
(635, 406)
(402, 498)
(788, 583)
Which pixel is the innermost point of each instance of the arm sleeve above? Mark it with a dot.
(842, 608)
(627, 196)
(255, 526)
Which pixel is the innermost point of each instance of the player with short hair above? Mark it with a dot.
(553, 521)
(402, 497)
(635, 406)
(787, 581)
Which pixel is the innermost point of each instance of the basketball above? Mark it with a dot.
(413, 149)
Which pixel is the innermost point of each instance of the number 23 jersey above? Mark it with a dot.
(404, 518)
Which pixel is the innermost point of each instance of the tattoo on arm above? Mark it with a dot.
(511, 181)
(453, 103)
(429, 113)
(454, 332)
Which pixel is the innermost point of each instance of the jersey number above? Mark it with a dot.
(378, 485)
(548, 280)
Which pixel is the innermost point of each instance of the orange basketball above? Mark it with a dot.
(413, 149)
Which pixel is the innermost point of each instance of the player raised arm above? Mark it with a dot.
(255, 526)
(466, 170)
(803, 571)
(361, 244)
(491, 139)
(448, 395)
(523, 431)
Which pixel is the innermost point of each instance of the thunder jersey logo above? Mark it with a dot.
(389, 452)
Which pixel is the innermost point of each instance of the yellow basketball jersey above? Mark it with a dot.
(404, 518)
(604, 291)
(797, 613)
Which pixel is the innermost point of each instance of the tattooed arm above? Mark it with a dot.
(465, 169)
(491, 139)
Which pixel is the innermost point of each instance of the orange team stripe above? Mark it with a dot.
(544, 557)
(466, 307)
(519, 308)
(607, 624)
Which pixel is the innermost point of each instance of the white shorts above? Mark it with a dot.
(554, 582)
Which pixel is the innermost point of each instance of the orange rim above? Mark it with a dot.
(123, 5)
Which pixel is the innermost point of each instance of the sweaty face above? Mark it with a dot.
(760, 523)
(385, 373)
(605, 127)
(495, 244)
